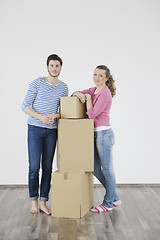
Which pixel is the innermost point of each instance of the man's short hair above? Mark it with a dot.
(54, 57)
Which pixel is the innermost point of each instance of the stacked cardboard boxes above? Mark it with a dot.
(72, 184)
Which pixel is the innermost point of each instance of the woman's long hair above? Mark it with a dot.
(110, 81)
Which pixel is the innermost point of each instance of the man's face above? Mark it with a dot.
(54, 68)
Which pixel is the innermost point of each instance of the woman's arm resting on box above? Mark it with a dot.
(84, 98)
(80, 95)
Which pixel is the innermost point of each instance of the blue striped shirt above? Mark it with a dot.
(44, 98)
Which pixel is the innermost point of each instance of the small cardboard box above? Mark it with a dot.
(71, 194)
(72, 107)
(75, 145)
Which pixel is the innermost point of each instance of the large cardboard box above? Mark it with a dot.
(72, 107)
(75, 148)
(71, 194)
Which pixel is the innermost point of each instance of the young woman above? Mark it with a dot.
(98, 100)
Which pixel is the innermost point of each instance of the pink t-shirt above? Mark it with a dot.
(101, 106)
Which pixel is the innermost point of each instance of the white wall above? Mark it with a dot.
(123, 34)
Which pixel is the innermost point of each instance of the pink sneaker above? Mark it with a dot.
(117, 203)
(101, 208)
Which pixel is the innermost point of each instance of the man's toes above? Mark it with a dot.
(34, 211)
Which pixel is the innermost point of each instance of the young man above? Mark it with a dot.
(41, 103)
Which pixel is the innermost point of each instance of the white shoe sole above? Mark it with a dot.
(117, 203)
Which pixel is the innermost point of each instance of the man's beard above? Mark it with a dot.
(53, 75)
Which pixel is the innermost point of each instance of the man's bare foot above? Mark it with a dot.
(44, 208)
(34, 208)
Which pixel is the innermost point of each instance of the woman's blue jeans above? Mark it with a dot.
(41, 148)
(103, 164)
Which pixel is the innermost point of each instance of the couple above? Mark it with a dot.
(41, 103)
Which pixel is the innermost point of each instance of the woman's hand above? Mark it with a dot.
(87, 96)
(81, 96)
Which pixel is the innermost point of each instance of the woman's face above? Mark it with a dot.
(99, 77)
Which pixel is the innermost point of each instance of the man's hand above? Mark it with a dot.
(48, 118)
(45, 118)
(51, 117)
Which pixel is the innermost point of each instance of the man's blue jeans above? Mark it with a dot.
(41, 148)
(103, 164)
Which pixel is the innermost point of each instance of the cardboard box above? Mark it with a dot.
(71, 194)
(75, 148)
(72, 107)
